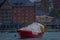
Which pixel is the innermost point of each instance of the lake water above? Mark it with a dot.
(15, 36)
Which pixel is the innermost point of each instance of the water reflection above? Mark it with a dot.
(15, 36)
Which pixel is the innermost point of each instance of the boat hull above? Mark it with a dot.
(29, 34)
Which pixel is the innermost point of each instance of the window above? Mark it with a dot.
(18, 11)
(24, 2)
(31, 11)
(26, 11)
(18, 14)
(23, 15)
(26, 15)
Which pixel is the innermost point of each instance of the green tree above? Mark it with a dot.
(45, 2)
(55, 13)
(25, 22)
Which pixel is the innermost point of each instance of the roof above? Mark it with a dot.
(5, 6)
(40, 12)
(44, 16)
(18, 3)
(1, 1)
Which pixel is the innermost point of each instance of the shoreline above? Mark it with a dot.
(46, 30)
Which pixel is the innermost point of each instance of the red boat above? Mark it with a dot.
(26, 33)
(29, 34)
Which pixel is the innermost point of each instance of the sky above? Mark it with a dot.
(34, 0)
(11, 2)
(16, 3)
(1, 1)
(20, 0)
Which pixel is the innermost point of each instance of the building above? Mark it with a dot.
(6, 12)
(44, 19)
(56, 11)
(21, 11)
(56, 4)
(23, 14)
(0, 17)
(42, 7)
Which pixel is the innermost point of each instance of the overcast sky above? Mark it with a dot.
(34, 0)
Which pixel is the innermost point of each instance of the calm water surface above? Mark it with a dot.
(15, 36)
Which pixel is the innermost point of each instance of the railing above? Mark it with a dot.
(10, 27)
(53, 26)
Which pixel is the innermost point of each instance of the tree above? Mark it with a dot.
(55, 13)
(25, 22)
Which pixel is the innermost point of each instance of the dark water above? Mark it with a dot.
(15, 36)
